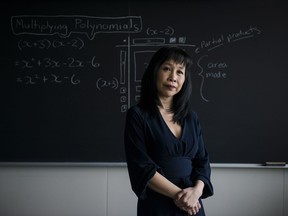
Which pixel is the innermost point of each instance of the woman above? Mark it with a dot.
(167, 161)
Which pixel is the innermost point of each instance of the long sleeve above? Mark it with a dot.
(141, 167)
(201, 162)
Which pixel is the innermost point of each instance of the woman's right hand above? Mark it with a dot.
(192, 210)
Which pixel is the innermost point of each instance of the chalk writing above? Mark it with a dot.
(202, 76)
(48, 62)
(48, 43)
(102, 83)
(213, 43)
(134, 54)
(156, 31)
(216, 42)
(45, 79)
(218, 74)
(64, 26)
(242, 34)
(141, 49)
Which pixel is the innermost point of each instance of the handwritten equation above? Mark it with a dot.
(46, 43)
(46, 79)
(103, 83)
(69, 62)
(168, 30)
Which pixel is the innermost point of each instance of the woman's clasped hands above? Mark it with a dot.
(188, 200)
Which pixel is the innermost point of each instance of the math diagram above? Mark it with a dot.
(47, 38)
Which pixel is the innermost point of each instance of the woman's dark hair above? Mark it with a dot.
(149, 95)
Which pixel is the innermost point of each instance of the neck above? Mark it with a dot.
(165, 104)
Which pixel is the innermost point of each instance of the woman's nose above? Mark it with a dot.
(172, 77)
(172, 80)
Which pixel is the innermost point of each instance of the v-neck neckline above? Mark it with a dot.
(169, 130)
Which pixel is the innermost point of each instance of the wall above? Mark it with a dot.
(105, 191)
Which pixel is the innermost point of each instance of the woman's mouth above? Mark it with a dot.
(171, 87)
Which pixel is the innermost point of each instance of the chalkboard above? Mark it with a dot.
(70, 71)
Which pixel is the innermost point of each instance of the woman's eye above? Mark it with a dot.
(166, 68)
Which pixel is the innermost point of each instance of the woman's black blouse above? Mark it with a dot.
(151, 146)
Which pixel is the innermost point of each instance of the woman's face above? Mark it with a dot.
(170, 79)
